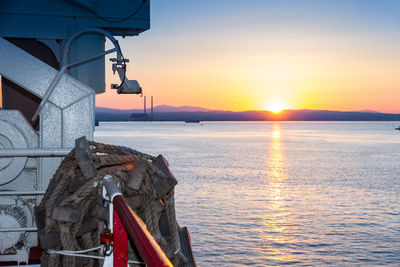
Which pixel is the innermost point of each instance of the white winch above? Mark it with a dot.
(11, 218)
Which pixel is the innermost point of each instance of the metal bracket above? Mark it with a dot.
(82, 151)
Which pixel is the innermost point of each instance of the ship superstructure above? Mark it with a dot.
(52, 64)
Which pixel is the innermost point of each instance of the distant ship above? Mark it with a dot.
(398, 128)
(192, 121)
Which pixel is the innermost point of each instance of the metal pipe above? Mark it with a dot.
(24, 229)
(147, 246)
(34, 152)
(59, 75)
(92, 58)
(111, 187)
(21, 193)
(48, 92)
(64, 64)
(90, 30)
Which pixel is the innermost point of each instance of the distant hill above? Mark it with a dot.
(166, 108)
(368, 111)
(160, 108)
(116, 111)
(185, 113)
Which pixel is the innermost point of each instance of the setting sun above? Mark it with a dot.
(275, 107)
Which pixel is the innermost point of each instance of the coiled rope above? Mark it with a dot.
(76, 232)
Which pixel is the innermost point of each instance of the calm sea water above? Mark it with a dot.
(273, 193)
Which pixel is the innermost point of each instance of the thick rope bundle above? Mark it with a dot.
(73, 212)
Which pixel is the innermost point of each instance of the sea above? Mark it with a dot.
(280, 193)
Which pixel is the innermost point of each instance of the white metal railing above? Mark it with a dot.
(34, 152)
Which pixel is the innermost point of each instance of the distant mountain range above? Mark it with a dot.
(160, 108)
(187, 113)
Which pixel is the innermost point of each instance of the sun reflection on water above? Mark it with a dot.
(276, 236)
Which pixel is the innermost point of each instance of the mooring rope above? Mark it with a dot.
(81, 200)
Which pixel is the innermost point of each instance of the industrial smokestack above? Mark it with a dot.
(151, 107)
(144, 103)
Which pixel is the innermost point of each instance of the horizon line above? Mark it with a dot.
(252, 110)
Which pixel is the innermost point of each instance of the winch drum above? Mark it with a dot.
(11, 137)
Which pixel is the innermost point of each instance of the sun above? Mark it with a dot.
(275, 107)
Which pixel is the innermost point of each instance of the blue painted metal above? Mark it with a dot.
(34, 35)
(54, 21)
(59, 19)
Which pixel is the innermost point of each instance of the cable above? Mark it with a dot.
(108, 253)
(75, 254)
(118, 20)
(136, 262)
(75, 251)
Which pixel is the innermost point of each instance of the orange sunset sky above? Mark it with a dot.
(251, 55)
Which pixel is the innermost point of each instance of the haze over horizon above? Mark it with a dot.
(235, 55)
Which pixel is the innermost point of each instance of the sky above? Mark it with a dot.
(262, 54)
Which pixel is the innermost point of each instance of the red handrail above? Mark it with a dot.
(147, 246)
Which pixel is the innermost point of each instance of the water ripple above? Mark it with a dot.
(274, 194)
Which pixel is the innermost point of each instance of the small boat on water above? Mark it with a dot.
(192, 121)
(398, 128)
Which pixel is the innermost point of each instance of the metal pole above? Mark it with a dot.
(92, 58)
(64, 64)
(147, 246)
(21, 193)
(25, 229)
(34, 152)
